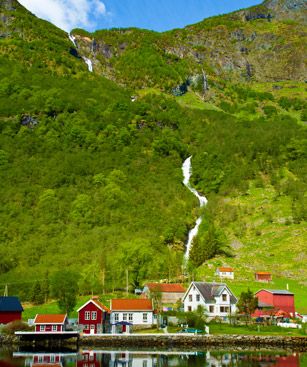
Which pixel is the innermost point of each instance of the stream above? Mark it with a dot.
(187, 173)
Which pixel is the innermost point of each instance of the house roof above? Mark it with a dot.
(166, 287)
(276, 291)
(211, 290)
(96, 303)
(225, 269)
(50, 319)
(131, 305)
(10, 304)
(263, 273)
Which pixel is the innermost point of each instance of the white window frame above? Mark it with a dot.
(130, 316)
(197, 297)
(54, 327)
(190, 297)
(94, 315)
(145, 317)
(42, 328)
(87, 315)
(116, 317)
(210, 309)
(224, 296)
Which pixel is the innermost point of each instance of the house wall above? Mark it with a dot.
(6, 317)
(171, 297)
(226, 275)
(283, 302)
(137, 317)
(49, 328)
(46, 358)
(263, 277)
(86, 324)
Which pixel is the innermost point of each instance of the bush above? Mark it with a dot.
(16, 325)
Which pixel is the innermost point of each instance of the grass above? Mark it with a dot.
(192, 100)
(254, 330)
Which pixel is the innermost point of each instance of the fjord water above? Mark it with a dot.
(114, 358)
(187, 173)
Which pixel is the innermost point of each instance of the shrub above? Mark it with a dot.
(16, 325)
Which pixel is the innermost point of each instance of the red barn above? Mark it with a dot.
(277, 300)
(50, 323)
(10, 309)
(93, 317)
(263, 276)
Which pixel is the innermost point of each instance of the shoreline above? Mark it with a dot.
(168, 341)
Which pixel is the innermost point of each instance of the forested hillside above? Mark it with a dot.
(91, 180)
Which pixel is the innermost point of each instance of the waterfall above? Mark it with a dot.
(73, 39)
(88, 63)
(86, 60)
(187, 173)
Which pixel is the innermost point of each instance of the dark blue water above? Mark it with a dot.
(113, 358)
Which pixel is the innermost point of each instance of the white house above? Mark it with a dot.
(131, 312)
(216, 298)
(225, 272)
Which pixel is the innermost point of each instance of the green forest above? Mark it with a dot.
(91, 181)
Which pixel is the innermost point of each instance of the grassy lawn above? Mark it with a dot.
(254, 330)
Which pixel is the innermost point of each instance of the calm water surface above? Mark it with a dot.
(113, 358)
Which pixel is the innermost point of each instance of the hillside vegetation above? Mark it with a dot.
(92, 182)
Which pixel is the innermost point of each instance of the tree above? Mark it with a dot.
(64, 287)
(37, 296)
(247, 304)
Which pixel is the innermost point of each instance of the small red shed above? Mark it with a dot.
(277, 300)
(93, 317)
(50, 323)
(263, 276)
(10, 309)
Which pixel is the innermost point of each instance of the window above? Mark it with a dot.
(224, 297)
(116, 317)
(42, 328)
(87, 315)
(124, 317)
(40, 359)
(190, 297)
(52, 358)
(145, 364)
(94, 315)
(130, 316)
(224, 309)
(189, 308)
(197, 297)
(211, 309)
(54, 328)
(86, 327)
(145, 317)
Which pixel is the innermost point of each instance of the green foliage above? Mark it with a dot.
(247, 303)
(64, 287)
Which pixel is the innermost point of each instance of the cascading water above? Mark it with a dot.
(187, 173)
(88, 63)
(73, 39)
(86, 60)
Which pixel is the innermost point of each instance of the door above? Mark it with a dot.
(92, 329)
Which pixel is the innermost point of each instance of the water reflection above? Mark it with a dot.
(104, 358)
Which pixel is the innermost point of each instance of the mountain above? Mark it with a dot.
(263, 43)
(91, 178)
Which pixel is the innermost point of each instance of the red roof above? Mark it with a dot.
(99, 304)
(166, 287)
(226, 270)
(131, 305)
(263, 273)
(49, 319)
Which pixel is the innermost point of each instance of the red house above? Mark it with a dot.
(263, 276)
(277, 301)
(50, 323)
(93, 317)
(10, 309)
